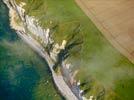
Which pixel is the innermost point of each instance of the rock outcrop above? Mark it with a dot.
(27, 25)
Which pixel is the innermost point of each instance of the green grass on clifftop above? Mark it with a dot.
(100, 64)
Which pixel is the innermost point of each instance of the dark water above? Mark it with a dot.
(23, 74)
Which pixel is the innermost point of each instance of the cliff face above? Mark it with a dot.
(94, 58)
(29, 26)
(29, 23)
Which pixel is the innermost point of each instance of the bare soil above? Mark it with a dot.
(115, 19)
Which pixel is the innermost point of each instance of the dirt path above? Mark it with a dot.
(115, 19)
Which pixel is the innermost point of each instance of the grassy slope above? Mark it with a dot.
(97, 59)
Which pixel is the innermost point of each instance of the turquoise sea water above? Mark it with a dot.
(23, 74)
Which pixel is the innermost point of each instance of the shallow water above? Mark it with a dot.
(23, 74)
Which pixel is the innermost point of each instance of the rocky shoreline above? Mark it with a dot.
(69, 92)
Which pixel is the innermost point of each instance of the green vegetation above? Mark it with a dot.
(96, 58)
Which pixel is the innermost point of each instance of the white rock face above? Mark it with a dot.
(30, 21)
(37, 30)
(13, 19)
(63, 45)
(56, 50)
(68, 66)
(47, 35)
(20, 9)
(78, 83)
(34, 28)
(91, 98)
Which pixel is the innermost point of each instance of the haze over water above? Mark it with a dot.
(23, 74)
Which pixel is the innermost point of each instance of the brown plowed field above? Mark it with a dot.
(115, 19)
